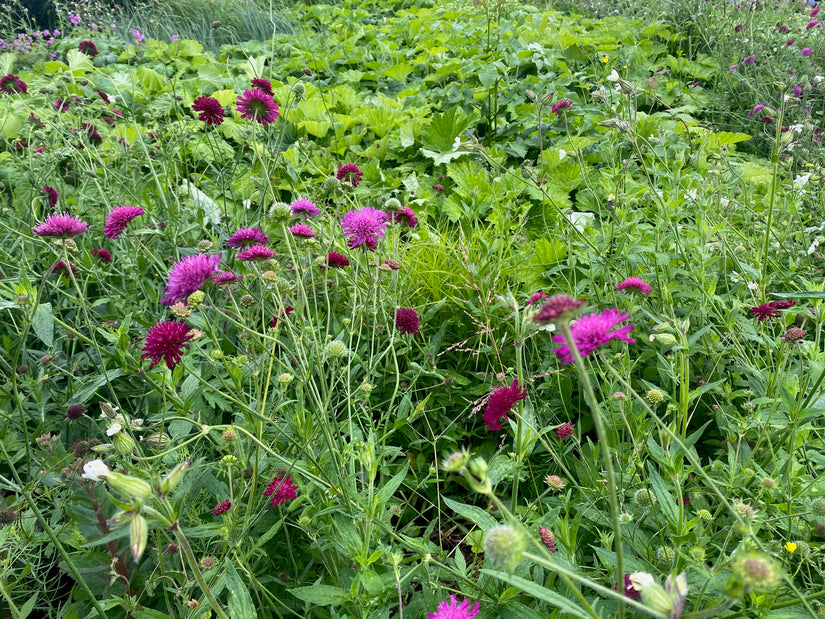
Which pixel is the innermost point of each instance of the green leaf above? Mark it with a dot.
(79, 62)
(799, 295)
(43, 323)
(725, 138)
(539, 592)
(474, 514)
(487, 75)
(321, 595)
(239, 602)
(150, 80)
(386, 492)
(27, 608)
(439, 158)
(666, 500)
(83, 394)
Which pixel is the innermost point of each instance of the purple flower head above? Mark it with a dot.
(500, 404)
(564, 431)
(118, 219)
(304, 208)
(61, 269)
(336, 260)
(61, 225)
(221, 508)
(815, 12)
(264, 84)
(245, 237)
(74, 18)
(51, 195)
(209, 110)
(557, 307)
(764, 311)
(281, 490)
(256, 105)
(405, 215)
(807, 51)
(102, 254)
(797, 91)
(350, 172)
(189, 275)
(224, 277)
(561, 107)
(135, 33)
(738, 27)
(812, 24)
(634, 283)
(783, 29)
(364, 226)
(11, 84)
(629, 591)
(538, 296)
(594, 331)
(256, 252)
(749, 59)
(733, 67)
(302, 231)
(756, 109)
(451, 609)
(88, 48)
(165, 342)
(406, 320)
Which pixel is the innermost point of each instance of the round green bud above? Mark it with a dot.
(285, 378)
(643, 498)
(818, 507)
(280, 211)
(757, 570)
(392, 204)
(195, 299)
(205, 245)
(504, 546)
(336, 349)
(655, 396)
(665, 554)
(331, 184)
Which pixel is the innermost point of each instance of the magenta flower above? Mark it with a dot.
(557, 307)
(733, 67)
(406, 320)
(256, 105)
(11, 84)
(61, 269)
(815, 12)
(336, 260)
(548, 539)
(364, 227)
(210, 110)
(350, 172)
(756, 109)
(738, 27)
(263, 84)
(782, 304)
(538, 296)
(256, 252)
(102, 254)
(765, 311)
(189, 275)
(634, 283)
(451, 609)
(594, 331)
(560, 108)
(119, 218)
(281, 490)
(302, 231)
(61, 225)
(51, 195)
(807, 51)
(304, 208)
(165, 342)
(221, 508)
(749, 59)
(812, 24)
(281, 315)
(500, 404)
(629, 590)
(225, 277)
(564, 431)
(88, 48)
(405, 215)
(784, 29)
(245, 237)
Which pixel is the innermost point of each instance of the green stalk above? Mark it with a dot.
(186, 549)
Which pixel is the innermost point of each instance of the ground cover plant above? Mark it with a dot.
(411, 310)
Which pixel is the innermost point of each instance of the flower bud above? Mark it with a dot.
(757, 570)
(336, 349)
(653, 594)
(663, 338)
(195, 299)
(299, 90)
(127, 485)
(138, 533)
(504, 546)
(173, 478)
(531, 96)
(456, 461)
(124, 443)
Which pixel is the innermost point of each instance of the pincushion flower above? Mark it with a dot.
(807, 51)
(765, 311)
(406, 320)
(594, 331)
(560, 108)
(336, 260)
(224, 277)
(245, 237)
(304, 208)
(351, 173)
(11, 84)
(281, 490)
(88, 48)
(364, 227)
(264, 84)
(564, 431)
(62, 269)
(256, 105)
(256, 252)
(221, 508)
(538, 296)
(557, 307)
(102, 254)
(405, 215)
(189, 275)
(165, 342)
(119, 218)
(634, 283)
(451, 609)
(61, 225)
(302, 231)
(210, 110)
(51, 195)
(500, 404)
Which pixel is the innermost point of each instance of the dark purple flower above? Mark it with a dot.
(225, 277)
(336, 260)
(364, 227)
(764, 311)
(11, 84)
(564, 431)
(256, 252)
(51, 195)
(807, 51)
(557, 307)
(263, 84)
(103, 96)
(281, 490)
(304, 208)
(102, 254)
(811, 24)
(561, 107)
(61, 269)
(281, 315)
(782, 304)
(61, 225)
(594, 331)
(245, 237)
(351, 173)
(189, 275)
(500, 404)
(88, 48)
(210, 110)
(738, 27)
(629, 591)
(221, 508)
(453, 609)
(118, 218)
(165, 342)
(74, 411)
(548, 539)
(794, 334)
(538, 296)
(405, 215)
(406, 320)
(634, 283)
(749, 59)
(256, 105)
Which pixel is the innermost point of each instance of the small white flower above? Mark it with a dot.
(641, 581)
(247, 204)
(456, 144)
(614, 76)
(753, 286)
(813, 246)
(724, 202)
(800, 181)
(562, 154)
(114, 428)
(692, 194)
(95, 470)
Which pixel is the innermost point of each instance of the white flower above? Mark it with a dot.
(641, 581)
(813, 246)
(562, 154)
(753, 286)
(693, 194)
(113, 428)
(800, 181)
(95, 470)
(614, 76)
(456, 144)
(724, 202)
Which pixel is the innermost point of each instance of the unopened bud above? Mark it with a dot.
(127, 485)
(138, 534)
(504, 546)
(171, 480)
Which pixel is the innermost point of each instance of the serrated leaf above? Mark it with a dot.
(726, 138)
(474, 514)
(439, 158)
(150, 80)
(225, 97)
(79, 62)
(321, 595)
(239, 602)
(43, 323)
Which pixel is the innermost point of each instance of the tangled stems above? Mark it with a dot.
(604, 448)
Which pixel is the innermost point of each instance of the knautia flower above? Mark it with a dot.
(304, 208)
(594, 331)
(764, 311)
(209, 110)
(405, 215)
(807, 51)
(102, 254)
(256, 105)
(62, 269)
(264, 84)
(256, 252)
(337, 261)
(351, 173)
(302, 231)
(281, 490)
(225, 277)
(189, 275)
(749, 59)
(165, 342)
(634, 283)
(554, 481)
(88, 48)
(118, 218)
(61, 225)
(221, 508)
(364, 227)
(406, 320)
(548, 539)
(11, 84)
(782, 304)
(500, 404)
(561, 107)
(51, 195)
(538, 296)
(558, 307)
(504, 546)
(246, 237)
(564, 431)
(452, 609)
(794, 334)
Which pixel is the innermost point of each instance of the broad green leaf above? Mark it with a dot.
(439, 158)
(150, 80)
(474, 514)
(726, 138)
(43, 323)
(239, 602)
(321, 595)
(79, 62)
(225, 97)
(756, 173)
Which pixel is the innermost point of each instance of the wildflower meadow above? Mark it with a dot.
(408, 309)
